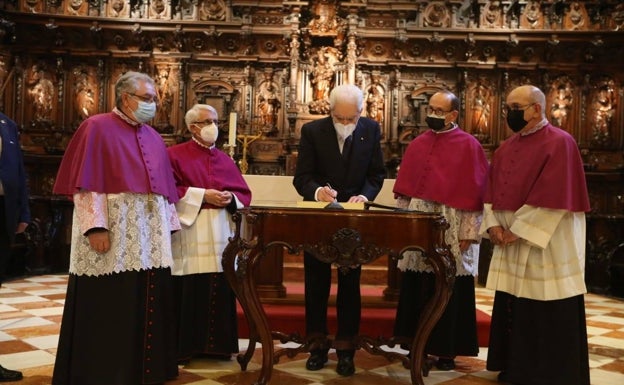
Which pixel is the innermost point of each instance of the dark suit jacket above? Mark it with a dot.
(320, 161)
(13, 177)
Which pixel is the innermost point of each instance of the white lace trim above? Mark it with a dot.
(139, 227)
(462, 225)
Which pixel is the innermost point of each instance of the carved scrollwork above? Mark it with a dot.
(346, 250)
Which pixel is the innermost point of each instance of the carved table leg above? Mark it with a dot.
(444, 268)
(239, 258)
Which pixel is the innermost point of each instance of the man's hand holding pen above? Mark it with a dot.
(327, 194)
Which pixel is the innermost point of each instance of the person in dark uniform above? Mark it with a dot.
(14, 209)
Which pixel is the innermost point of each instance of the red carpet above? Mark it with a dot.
(376, 321)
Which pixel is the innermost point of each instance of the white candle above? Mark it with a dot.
(232, 137)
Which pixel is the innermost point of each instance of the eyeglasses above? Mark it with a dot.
(145, 98)
(345, 119)
(516, 107)
(206, 122)
(436, 111)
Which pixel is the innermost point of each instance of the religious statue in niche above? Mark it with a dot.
(40, 93)
(159, 9)
(212, 10)
(561, 104)
(492, 14)
(617, 17)
(326, 21)
(322, 80)
(77, 7)
(84, 86)
(375, 102)
(119, 8)
(576, 16)
(268, 104)
(603, 110)
(165, 97)
(480, 112)
(532, 15)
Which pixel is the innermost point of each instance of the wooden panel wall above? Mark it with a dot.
(273, 61)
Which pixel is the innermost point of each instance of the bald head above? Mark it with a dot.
(528, 94)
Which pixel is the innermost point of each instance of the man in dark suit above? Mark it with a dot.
(340, 160)
(14, 210)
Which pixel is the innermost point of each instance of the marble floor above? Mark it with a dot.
(31, 308)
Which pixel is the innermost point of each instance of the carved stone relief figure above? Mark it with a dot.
(532, 16)
(492, 15)
(212, 10)
(323, 78)
(375, 102)
(85, 93)
(268, 104)
(77, 7)
(603, 110)
(159, 9)
(40, 93)
(576, 18)
(480, 111)
(561, 105)
(325, 22)
(436, 15)
(617, 19)
(118, 8)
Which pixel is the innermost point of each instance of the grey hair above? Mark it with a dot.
(193, 114)
(346, 93)
(128, 83)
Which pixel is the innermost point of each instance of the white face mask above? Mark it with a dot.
(344, 130)
(209, 133)
(145, 112)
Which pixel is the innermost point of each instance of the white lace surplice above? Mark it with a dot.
(462, 225)
(139, 227)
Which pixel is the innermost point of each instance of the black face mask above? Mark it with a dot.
(515, 120)
(436, 124)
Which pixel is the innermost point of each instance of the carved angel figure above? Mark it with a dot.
(561, 105)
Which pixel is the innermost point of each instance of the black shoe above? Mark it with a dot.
(9, 375)
(316, 361)
(345, 366)
(445, 364)
(502, 378)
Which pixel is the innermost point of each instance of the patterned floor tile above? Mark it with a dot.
(31, 311)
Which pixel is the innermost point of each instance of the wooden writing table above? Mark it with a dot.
(343, 238)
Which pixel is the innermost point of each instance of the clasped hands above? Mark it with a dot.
(328, 194)
(217, 198)
(500, 236)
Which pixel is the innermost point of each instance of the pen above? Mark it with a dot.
(331, 188)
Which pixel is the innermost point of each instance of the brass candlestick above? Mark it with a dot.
(246, 140)
(231, 149)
